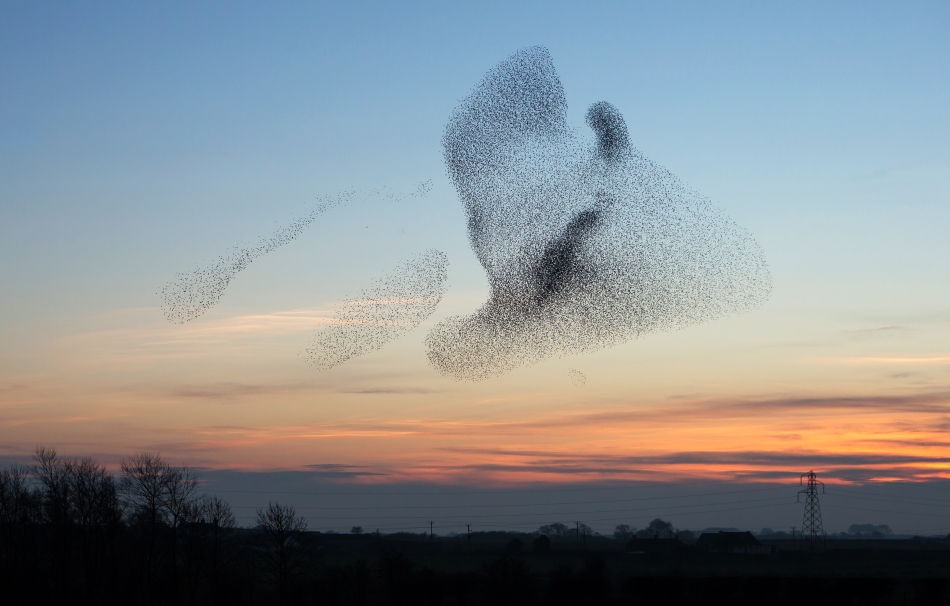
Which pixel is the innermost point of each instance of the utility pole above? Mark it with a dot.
(468, 532)
(430, 530)
(813, 532)
(577, 532)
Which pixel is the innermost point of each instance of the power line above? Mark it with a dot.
(866, 493)
(575, 512)
(502, 505)
(503, 511)
(916, 513)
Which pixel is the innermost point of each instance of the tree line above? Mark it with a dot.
(73, 532)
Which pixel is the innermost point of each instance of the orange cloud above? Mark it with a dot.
(847, 439)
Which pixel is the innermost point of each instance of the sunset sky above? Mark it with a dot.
(141, 141)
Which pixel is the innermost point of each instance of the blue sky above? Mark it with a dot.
(203, 122)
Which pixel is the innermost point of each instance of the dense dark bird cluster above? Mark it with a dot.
(388, 309)
(584, 245)
(191, 294)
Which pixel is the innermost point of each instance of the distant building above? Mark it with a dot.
(731, 542)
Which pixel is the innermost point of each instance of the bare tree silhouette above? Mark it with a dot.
(216, 516)
(19, 516)
(94, 507)
(53, 475)
(17, 501)
(160, 495)
(282, 526)
(178, 502)
(623, 532)
(142, 485)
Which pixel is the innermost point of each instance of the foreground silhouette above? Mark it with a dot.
(72, 533)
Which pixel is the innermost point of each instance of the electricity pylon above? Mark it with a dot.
(812, 530)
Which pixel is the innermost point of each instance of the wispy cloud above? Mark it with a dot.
(734, 457)
(384, 390)
(143, 335)
(10, 388)
(231, 391)
(918, 443)
(877, 331)
(338, 471)
(937, 402)
(847, 336)
(277, 322)
(653, 419)
(892, 360)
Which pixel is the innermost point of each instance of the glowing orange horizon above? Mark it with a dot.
(231, 393)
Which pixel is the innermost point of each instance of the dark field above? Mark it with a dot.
(242, 566)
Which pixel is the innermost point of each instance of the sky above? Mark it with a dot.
(142, 141)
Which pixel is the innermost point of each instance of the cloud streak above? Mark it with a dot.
(846, 437)
(734, 457)
(232, 391)
(144, 339)
(893, 360)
